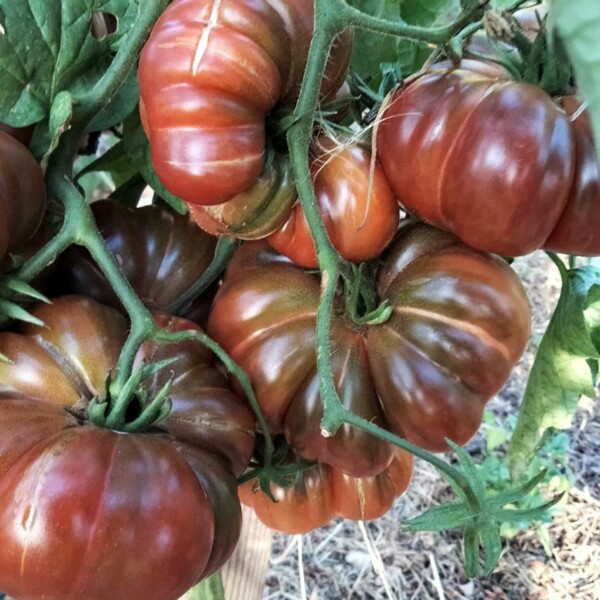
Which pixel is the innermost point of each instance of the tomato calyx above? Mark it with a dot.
(362, 305)
(284, 469)
(131, 409)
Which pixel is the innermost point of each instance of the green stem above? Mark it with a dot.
(225, 249)
(174, 337)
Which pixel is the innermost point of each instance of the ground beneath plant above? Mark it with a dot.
(336, 562)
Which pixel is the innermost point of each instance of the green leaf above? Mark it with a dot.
(471, 550)
(61, 112)
(370, 51)
(561, 372)
(138, 148)
(46, 48)
(578, 23)
(440, 518)
(489, 532)
(14, 311)
(209, 589)
(121, 106)
(115, 161)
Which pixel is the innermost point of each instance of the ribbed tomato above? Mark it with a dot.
(256, 212)
(86, 512)
(160, 252)
(358, 208)
(22, 195)
(496, 162)
(323, 493)
(460, 322)
(209, 74)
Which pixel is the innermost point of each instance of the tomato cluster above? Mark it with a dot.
(427, 323)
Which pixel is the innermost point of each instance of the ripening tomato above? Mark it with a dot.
(256, 212)
(496, 162)
(323, 493)
(459, 324)
(86, 512)
(209, 74)
(358, 208)
(22, 195)
(160, 252)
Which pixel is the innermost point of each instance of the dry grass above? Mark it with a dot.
(427, 566)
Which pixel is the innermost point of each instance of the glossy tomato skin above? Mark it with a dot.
(490, 160)
(323, 493)
(88, 512)
(22, 195)
(578, 229)
(359, 209)
(257, 212)
(460, 323)
(160, 252)
(496, 162)
(209, 74)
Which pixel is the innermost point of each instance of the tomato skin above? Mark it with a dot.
(256, 212)
(82, 505)
(323, 493)
(496, 162)
(209, 74)
(161, 253)
(360, 215)
(460, 323)
(22, 195)
(491, 161)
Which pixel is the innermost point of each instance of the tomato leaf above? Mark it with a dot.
(370, 51)
(138, 148)
(561, 372)
(47, 48)
(209, 589)
(122, 104)
(578, 23)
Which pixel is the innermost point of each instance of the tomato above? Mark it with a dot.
(256, 212)
(209, 74)
(22, 195)
(358, 208)
(460, 322)
(86, 512)
(496, 162)
(22, 134)
(323, 493)
(160, 252)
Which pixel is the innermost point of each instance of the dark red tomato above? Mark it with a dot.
(160, 252)
(22, 134)
(496, 162)
(323, 493)
(357, 205)
(90, 513)
(22, 195)
(209, 74)
(460, 322)
(257, 212)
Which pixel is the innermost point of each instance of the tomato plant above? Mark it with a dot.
(460, 322)
(357, 206)
(322, 493)
(206, 124)
(82, 505)
(497, 162)
(123, 439)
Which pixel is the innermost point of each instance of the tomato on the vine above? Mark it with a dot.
(460, 321)
(256, 212)
(209, 74)
(160, 252)
(22, 195)
(496, 162)
(358, 208)
(322, 493)
(86, 512)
